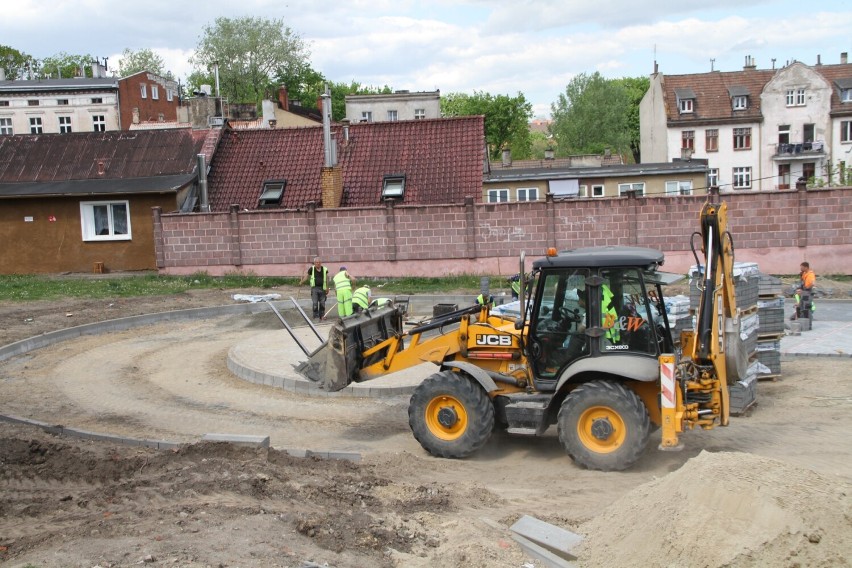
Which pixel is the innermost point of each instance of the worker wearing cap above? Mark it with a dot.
(343, 288)
(318, 277)
(361, 299)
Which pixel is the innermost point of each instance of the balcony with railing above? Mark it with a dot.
(799, 151)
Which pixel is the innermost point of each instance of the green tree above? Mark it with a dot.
(592, 115)
(506, 119)
(636, 88)
(540, 142)
(306, 85)
(249, 52)
(133, 62)
(15, 63)
(65, 65)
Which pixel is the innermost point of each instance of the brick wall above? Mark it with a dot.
(776, 229)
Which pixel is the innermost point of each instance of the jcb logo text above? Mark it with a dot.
(494, 340)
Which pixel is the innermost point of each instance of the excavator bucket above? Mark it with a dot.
(336, 362)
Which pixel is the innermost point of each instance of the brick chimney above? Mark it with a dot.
(332, 187)
(283, 99)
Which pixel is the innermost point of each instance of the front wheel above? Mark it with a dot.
(450, 415)
(604, 426)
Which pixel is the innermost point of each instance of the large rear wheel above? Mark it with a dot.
(450, 415)
(603, 425)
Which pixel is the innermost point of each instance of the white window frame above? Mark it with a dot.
(6, 127)
(36, 126)
(740, 102)
(598, 190)
(65, 125)
(170, 95)
(846, 95)
(584, 191)
(419, 113)
(712, 177)
(143, 90)
(711, 134)
(679, 187)
(741, 178)
(638, 187)
(89, 224)
(742, 138)
(155, 93)
(795, 97)
(686, 106)
(366, 116)
(498, 195)
(527, 194)
(846, 131)
(393, 116)
(98, 123)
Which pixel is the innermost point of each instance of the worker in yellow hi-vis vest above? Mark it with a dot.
(343, 283)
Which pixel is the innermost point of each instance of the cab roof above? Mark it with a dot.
(600, 257)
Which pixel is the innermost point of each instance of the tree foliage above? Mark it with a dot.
(306, 85)
(506, 119)
(15, 63)
(592, 115)
(133, 62)
(249, 52)
(66, 65)
(636, 88)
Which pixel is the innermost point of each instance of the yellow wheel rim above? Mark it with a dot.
(601, 429)
(446, 417)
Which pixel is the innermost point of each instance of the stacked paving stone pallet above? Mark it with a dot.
(770, 310)
(743, 393)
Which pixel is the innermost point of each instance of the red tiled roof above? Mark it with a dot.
(79, 156)
(833, 73)
(712, 98)
(441, 159)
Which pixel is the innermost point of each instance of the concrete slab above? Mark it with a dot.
(238, 439)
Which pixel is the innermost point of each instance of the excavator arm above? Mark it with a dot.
(695, 389)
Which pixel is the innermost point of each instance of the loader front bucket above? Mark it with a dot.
(336, 363)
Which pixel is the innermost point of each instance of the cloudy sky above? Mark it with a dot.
(502, 47)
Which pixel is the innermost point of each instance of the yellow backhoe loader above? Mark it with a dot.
(591, 352)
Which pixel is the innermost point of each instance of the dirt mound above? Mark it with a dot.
(726, 509)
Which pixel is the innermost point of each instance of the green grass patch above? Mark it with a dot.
(25, 288)
(40, 287)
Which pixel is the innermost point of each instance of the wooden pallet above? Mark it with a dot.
(775, 336)
(772, 378)
(748, 311)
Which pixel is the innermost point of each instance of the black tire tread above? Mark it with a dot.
(611, 394)
(478, 406)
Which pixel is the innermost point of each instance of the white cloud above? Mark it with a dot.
(531, 46)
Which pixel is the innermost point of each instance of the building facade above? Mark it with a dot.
(60, 106)
(145, 98)
(643, 180)
(86, 104)
(758, 129)
(401, 105)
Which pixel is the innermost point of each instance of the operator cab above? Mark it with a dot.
(596, 302)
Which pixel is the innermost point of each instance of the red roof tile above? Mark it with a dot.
(442, 161)
(712, 95)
